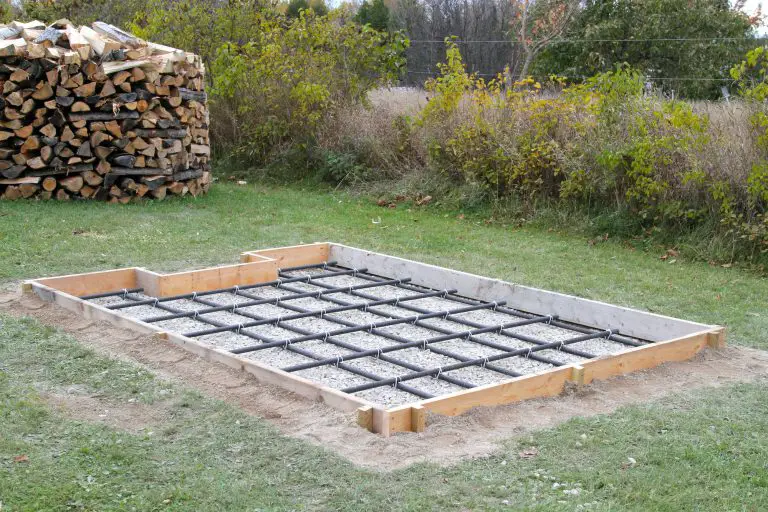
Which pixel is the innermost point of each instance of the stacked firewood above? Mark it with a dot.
(95, 112)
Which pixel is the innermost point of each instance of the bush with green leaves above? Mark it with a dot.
(604, 145)
(280, 84)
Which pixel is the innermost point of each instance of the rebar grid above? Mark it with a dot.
(300, 351)
(327, 292)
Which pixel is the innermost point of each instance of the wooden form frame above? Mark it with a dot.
(673, 339)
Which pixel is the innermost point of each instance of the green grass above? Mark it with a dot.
(707, 451)
(39, 239)
(701, 451)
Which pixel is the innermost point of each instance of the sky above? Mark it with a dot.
(751, 6)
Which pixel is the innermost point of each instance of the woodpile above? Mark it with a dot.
(97, 113)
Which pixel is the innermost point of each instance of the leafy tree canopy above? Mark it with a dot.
(374, 13)
(665, 39)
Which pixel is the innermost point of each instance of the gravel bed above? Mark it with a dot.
(388, 396)
(332, 377)
(339, 378)
(522, 365)
(600, 346)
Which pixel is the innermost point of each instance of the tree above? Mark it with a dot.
(375, 14)
(295, 7)
(698, 40)
(429, 22)
(538, 24)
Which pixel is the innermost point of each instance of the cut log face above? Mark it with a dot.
(94, 112)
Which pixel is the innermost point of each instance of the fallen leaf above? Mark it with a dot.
(382, 202)
(629, 464)
(726, 265)
(423, 200)
(529, 453)
(21, 458)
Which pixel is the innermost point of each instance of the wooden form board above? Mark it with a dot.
(591, 313)
(674, 340)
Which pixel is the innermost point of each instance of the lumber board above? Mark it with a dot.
(586, 312)
(92, 282)
(365, 417)
(203, 280)
(538, 385)
(293, 256)
(648, 356)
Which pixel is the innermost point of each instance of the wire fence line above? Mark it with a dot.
(759, 40)
(565, 41)
(547, 77)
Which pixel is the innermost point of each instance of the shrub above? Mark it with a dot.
(282, 83)
(654, 164)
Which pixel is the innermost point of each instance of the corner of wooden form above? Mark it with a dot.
(716, 338)
(418, 418)
(577, 375)
(365, 417)
(26, 287)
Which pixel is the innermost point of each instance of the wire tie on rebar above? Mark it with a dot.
(549, 319)
(322, 313)
(445, 315)
(277, 301)
(235, 290)
(157, 301)
(325, 265)
(278, 320)
(378, 353)
(365, 307)
(467, 335)
(125, 293)
(500, 329)
(530, 351)
(278, 283)
(561, 346)
(495, 305)
(397, 301)
(439, 372)
(394, 384)
(195, 315)
(285, 345)
(371, 327)
(610, 333)
(194, 295)
(239, 328)
(349, 290)
(325, 337)
(354, 272)
(485, 362)
(444, 294)
(339, 360)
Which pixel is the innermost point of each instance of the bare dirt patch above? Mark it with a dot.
(130, 416)
(446, 440)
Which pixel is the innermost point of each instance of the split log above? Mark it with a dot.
(72, 183)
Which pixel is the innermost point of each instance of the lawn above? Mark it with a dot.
(705, 450)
